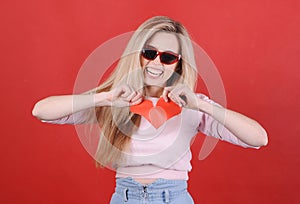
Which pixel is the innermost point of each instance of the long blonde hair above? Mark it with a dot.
(117, 124)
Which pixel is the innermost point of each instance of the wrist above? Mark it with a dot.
(102, 99)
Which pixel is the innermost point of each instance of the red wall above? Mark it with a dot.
(255, 45)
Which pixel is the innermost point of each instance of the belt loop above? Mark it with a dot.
(167, 196)
(125, 191)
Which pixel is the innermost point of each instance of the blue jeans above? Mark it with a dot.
(129, 191)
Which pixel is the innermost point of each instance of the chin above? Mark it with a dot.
(157, 83)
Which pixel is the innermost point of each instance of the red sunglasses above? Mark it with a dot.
(165, 57)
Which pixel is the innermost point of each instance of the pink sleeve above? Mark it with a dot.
(79, 117)
(211, 127)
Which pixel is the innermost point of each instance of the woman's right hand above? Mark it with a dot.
(121, 96)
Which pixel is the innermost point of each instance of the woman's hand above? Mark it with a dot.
(182, 95)
(121, 96)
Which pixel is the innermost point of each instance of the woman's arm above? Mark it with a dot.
(244, 128)
(55, 107)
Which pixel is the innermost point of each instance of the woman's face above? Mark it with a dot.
(156, 73)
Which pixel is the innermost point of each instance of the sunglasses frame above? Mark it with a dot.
(158, 53)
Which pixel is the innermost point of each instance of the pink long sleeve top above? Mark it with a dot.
(164, 151)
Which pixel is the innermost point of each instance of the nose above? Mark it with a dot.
(157, 60)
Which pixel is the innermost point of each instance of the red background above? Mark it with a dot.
(254, 43)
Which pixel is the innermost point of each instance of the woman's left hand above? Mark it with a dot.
(182, 95)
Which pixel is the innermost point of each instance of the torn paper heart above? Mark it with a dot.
(159, 114)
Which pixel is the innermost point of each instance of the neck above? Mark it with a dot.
(154, 91)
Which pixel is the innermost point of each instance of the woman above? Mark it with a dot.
(148, 113)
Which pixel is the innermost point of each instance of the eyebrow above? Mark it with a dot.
(151, 46)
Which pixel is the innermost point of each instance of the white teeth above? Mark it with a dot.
(155, 72)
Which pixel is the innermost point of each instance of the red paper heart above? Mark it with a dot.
(159, 114)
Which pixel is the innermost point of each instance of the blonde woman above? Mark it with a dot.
(148, 113)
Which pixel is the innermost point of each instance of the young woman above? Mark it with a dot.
(148, 113)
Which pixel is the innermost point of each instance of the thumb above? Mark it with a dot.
(165, 93)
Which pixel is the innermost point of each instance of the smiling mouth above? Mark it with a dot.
(154, 72)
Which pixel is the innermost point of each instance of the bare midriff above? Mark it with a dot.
(145, 181)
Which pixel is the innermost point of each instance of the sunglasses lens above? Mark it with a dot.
(165, 57)
(149, 54)
(168, 58)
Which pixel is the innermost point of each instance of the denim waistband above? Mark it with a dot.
(160, 190)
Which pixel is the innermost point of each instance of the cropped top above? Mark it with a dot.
(164, 151)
